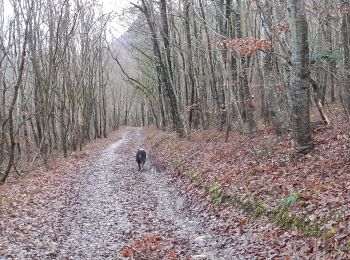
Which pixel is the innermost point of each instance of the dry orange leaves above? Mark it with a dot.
(245, 46)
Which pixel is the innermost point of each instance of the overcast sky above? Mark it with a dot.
(119, 26)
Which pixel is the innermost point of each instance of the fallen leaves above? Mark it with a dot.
(263, 169)
(127, 252)
(151, 246)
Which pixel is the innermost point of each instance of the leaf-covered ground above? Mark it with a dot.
(245, 199)
(301, 204)
(97, 205)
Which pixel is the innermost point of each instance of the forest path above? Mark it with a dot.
(118, 205)
(107, 207)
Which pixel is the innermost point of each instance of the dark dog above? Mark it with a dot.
(141, 158)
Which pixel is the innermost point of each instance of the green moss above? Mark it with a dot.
(283, 218)
(259, 208)
(216, 193)
(254, 208)
(289, 201)
(252, 171)
(193, 175)
(347, 245)
(335, 215)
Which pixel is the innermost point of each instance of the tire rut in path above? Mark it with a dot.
(96, 218)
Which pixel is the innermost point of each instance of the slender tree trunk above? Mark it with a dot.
(212, 76)
(166, 36)
(346, 48)
(247, 100)
(11, 126)
(63, 130)
(300, 79)
(190, 63)
(329, 43)
(272, 102)
(270, 77)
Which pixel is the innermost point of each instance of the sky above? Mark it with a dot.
(118, 26)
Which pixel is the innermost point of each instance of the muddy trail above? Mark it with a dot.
(110, 210)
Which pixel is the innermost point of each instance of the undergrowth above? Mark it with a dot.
(258, 208)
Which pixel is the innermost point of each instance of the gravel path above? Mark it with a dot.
(108, 206)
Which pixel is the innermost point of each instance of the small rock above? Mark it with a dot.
(201, 240)
(199, 257)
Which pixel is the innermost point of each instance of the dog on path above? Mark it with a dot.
(141, 158)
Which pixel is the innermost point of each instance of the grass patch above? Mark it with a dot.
(216, 193)
(252, 171)
(347, 245)
(194, 176)
(280, 216)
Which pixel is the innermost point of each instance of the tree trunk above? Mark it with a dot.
(346, 48)
(212, 72)
(190, 63)
(270, 77)
(163, 73)
(17, 86)
(247, 100)
(300, 77)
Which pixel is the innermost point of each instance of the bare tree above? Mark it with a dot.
(16, 88)
(345, 8)
(300, 79)
(162, 70)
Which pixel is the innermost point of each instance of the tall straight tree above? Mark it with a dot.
(270, 70)
(346, 43)
(190, 61)
(300, 77)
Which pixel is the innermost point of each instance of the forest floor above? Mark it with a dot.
(97, 205)
(294, 206)
(245, 199)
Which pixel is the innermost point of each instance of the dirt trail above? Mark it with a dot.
(110, 204)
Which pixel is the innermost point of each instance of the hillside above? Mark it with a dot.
(303, 202)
